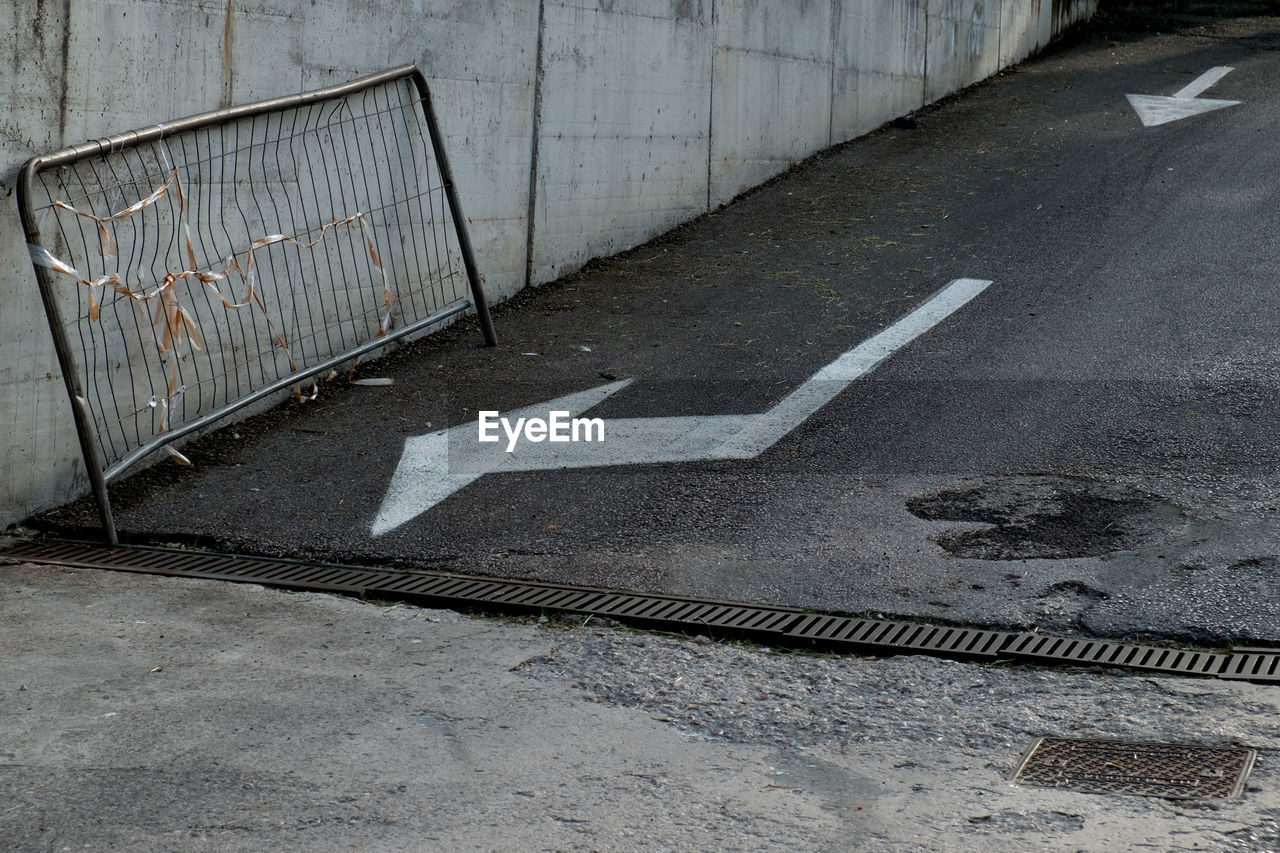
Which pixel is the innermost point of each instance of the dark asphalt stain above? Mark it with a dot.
(1047, 521)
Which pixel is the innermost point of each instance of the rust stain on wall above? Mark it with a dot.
(227, 66)
(63, 87)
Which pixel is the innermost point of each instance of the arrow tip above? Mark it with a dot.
(422, 479)
(1155, 110)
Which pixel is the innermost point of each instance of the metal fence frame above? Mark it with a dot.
(101, 475)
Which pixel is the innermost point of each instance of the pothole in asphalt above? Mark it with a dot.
(1038, 519)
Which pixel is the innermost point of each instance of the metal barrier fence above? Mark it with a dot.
(191, 268)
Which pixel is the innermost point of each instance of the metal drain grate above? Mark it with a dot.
(1038, 647)
(856, 634)
(783, 626)
(1170, 770)
(427, 588)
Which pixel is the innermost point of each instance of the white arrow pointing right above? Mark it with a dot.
(1159, 109)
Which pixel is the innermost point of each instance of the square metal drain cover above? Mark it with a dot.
(1173, 770)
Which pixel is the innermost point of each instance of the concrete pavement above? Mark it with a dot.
(145, 713)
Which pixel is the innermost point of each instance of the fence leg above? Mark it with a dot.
(459, 221)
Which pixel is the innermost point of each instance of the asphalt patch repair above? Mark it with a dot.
(1046, 520)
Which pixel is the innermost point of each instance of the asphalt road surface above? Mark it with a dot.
(1088, 445)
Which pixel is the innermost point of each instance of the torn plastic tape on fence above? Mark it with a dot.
(172, 323)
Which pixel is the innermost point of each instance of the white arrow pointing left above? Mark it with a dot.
(1153, 110)
(436, 465)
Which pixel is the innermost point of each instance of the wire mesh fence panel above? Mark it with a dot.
(191, 268)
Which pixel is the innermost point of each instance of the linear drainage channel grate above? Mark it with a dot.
(783, 626)
(1170, 770)
(426, 588)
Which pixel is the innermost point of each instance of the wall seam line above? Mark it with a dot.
(924, 80)
(534, 146)
(711, 100)
(1000, 37)
(66, 76)
(837, 15)
(228, 56)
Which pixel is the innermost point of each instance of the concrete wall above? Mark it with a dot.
(622, 130)
(577, 128)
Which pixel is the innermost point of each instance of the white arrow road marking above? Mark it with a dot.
(1158, 109)
(436, 465)
(1204, 81)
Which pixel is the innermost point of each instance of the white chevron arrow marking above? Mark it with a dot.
(1153, 110)
(436, 465)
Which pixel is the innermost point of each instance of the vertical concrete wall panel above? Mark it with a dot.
(262, 52)
(879, 64)
(622, 147)
(963, 45)
(771, 90)
(1067, 13)
(479, 59)
(39, 456)
(1025, 27)
(132, 63)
